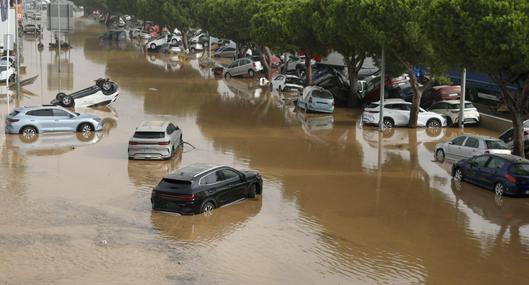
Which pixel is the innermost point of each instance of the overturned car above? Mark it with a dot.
(103, 92)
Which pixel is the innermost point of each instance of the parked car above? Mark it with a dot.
(397, 113)
(450, 109)
(242, 66)
(48, 118)
(445, 92)
(7, 73)
(226, 51)
(503, 173)
(103, 92)
(31, 29)
(333, 80)
(139, 33)
(285, 82)
(195, 47)
(162, 40)
(295, 64)
(317, 99)
(507, 136)
(469, 145)
(200, 188)
(155, 140)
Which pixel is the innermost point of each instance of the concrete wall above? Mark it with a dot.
(494, 123)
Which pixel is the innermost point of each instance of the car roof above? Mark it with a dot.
(191, 171)
(511, 158)
(29, 108)
(152, 126)
(479, 137)
(454, 102)
(391, 101)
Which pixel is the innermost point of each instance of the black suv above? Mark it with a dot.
(200, 188)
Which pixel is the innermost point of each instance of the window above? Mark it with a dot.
(60, 113)
(458, 140)
(481, 161)
(149, 135)
(472, 142)
(40, 113)
(211, 178)
(507, 136)
(496, 144)
(229, 174)
(170, 129)
(280, 77)
(520, 169)
(322, 94)
(496, 163)
(437, 106)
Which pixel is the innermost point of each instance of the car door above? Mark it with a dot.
(215, 187)
(476, 170)
(489, 172)
(242, 66)
(42, 118)
(62, 121)
(400, 114)
(278, 81)
(453, 149)
(470, 148)
(232, 68)
(236, 186)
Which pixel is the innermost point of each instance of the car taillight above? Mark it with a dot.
(9, 120)
(511, 178)
(191, 197)
(132, 143)
(310, 99)
(253, 64)
(164, 143)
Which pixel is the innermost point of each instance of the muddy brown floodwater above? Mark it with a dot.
(342, 203)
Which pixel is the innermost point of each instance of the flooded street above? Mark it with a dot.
(341, 204)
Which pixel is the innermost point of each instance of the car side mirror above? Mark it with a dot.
(450, 143)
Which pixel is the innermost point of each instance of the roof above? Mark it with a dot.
(153, 126)
(28, 108)
(480, 137)
(512, 158)
(191, 171)
(391, 101)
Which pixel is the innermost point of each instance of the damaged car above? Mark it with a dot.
(103, 92)
(285, 82)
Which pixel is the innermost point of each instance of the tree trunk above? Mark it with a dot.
(416, 101)
(266, 58)
(308, 68)
(517, 134)
(184, 40)
(354, 63)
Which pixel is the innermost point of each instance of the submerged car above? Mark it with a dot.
(31, 29)
(285, 82)
(504, 174)
(470, 145)
(48, 118)
(226, 51)
(316, 99)
(114, 35)
(155, 140)
(200, 188)
(397, 113)
(7, 73)
(243, 66)
(450, 109)
(103, 92)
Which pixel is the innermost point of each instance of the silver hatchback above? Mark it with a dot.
(468, 146)
(155, 140)
(243, 66)
(35, 120)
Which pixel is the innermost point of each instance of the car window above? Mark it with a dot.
(472, 142)
(322, 94)
(211, 178)
(496, 144)
(520, 169)
(41, 113)
(149, 135)
(401, 107)
(229, 174)
(60, 113)
(496, 163)
(459, 140)
(507, 136)
(169, 130)
(280, 77)
(437, 106)
(481, 161)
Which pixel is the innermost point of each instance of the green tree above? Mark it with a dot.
(397, 25)
(489, 36)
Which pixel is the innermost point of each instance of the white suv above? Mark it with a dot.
(397, 113)
(450, 110)
(155, 140)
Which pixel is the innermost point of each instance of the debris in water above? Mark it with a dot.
(153, 89)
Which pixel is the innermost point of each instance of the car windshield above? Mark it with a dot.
(520, 169)
(496, 144)
(293, 80)
(149, 135)
(372, 106)
(322, 94)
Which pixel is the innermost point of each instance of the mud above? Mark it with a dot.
(342, 203)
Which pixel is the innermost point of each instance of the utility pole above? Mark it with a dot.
(7, 43)
(462, 99)
(17, 41)
(382, 85)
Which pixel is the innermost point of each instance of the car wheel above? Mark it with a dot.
(251, 73)
(227, 76)
(67, 101)
(433, 123)
(458, 175)
(85, 127)
(207, 208)
(85, 136)
(174, 41)
(252, 191)
(388, 123)
(499, 189)
(59, 96)
(12, 78)
(29, 131)
(153, 46)
(440, 155)
(29, 137)
(106, 86)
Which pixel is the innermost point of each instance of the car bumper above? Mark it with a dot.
(369, 119)
(167, 203)
(322, 108)
(11, 129)
(149, 153)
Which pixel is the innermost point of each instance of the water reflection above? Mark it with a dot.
(147, 174)
(169, 63)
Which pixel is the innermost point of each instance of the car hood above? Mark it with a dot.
(251, 174)
(88, 116)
